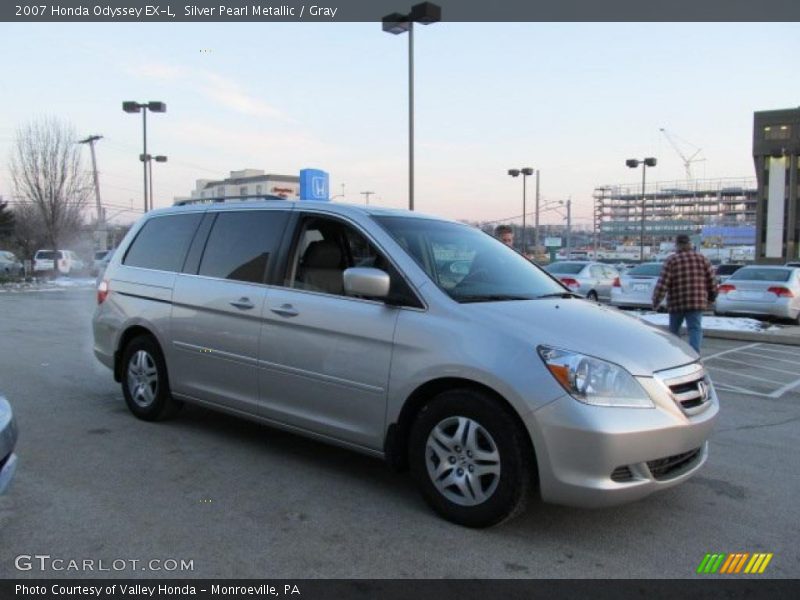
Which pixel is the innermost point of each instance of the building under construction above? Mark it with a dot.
(666, 209)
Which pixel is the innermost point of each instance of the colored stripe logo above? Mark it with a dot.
(734, 563)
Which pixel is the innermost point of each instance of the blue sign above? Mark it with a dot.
(314, 185)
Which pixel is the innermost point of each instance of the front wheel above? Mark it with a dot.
(144, 381)
(471, 459)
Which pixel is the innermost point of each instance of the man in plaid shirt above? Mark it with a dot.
(689, 283)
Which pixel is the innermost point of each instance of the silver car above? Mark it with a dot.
(761, 290)
(8, 439)
(590, 279)
(634, 289)
(418, 340)
(10, 266)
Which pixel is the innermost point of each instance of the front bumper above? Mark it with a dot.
(591, 456)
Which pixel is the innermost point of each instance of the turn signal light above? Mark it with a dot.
(725, 288)
(102, 291)
(781, 292)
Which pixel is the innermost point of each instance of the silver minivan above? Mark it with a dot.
(419, 340)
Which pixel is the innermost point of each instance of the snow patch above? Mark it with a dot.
(716, 323)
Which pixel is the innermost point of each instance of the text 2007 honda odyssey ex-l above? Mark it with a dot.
(416, 339)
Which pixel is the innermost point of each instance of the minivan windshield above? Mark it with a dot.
(467, 264)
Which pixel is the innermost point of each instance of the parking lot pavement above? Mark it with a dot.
(242, 500)
(754, 369)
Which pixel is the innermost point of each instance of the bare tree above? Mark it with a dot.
(29, 232)
(47, 176)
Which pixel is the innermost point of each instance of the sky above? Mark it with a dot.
(572, 100)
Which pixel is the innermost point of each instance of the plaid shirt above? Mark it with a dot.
(688, 281)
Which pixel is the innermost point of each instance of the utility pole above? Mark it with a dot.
(536, 217)
(569, 227)
(366, 196)
(100, 226)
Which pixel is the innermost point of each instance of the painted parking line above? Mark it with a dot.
(768, 381)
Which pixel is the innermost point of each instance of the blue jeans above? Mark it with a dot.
(693, 324)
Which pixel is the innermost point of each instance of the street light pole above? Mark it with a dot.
(134, 107)
(396, 23)
(634, 163)
(525, 172)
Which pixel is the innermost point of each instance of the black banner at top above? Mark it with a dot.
(147, 11)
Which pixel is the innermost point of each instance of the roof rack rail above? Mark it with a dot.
(217, 200)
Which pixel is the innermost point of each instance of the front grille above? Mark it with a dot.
(622, 474)
(663, 468)
(688, 386)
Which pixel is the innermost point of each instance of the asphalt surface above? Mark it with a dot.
(243, 500)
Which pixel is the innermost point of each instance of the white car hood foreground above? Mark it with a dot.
(588, 328)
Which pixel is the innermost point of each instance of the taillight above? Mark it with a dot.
(102, 291)
(616, 282)
(781, 292)
(570, 282)
(725, 288)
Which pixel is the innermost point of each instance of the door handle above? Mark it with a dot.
(243, 303)
(285, 310)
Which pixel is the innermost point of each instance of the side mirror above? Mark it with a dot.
(367, 282)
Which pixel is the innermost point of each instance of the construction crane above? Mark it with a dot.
(687, 160)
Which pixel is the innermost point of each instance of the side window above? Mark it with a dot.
(240, 244)
(326, 248)
(162, 242)
(596, 271)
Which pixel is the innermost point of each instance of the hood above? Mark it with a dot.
(585, 327)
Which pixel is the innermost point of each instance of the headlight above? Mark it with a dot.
(594, 381)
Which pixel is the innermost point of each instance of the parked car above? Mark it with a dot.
(10, 266)
(725, 270)
(761, 290)
(100, 262)
(634, 288)
(590, 279)
(8, 439)
(334, 321)
(68, 262)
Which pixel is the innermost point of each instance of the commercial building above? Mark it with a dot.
(669, 208)
(244, 184)
(776, 150)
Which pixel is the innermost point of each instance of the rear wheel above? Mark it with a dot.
(592, 296)
(470, 459)
(144, 381)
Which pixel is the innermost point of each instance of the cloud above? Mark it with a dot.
(232, 95)
(224, 91)
(158, 71)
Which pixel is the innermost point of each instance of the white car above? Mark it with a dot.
(68, 261)
(634, 289)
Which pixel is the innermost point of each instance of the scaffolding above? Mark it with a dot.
(673, 207)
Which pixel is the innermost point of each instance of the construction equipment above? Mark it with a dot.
(687, 160)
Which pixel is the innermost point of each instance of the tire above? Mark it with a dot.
(592, 295)
(503, 491)
(145, 383)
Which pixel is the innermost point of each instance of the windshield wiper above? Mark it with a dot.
(558, 295)
(490, 298)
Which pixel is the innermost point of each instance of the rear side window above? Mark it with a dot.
(240, 244)
(162, 242)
